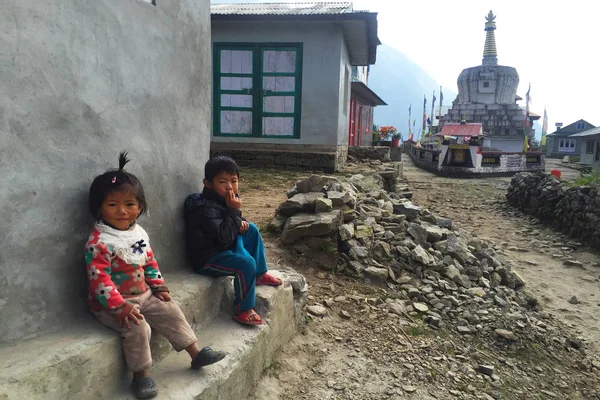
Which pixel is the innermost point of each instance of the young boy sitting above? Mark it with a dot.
(222, 243)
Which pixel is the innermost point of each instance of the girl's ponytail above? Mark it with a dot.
(123, 160)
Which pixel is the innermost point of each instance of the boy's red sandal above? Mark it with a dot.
(268, 279)
(249, 317)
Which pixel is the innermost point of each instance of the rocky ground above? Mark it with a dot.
(428, 336)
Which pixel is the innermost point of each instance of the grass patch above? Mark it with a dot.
(587, 180)
(418, 330)
(264, 176)
(532, 353)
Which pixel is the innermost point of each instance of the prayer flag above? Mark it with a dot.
(544, 128)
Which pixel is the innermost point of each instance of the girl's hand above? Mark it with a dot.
(232, 201)
(244, 227)
(134, 315)
(164, 296)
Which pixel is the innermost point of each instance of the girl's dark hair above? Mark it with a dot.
(219, 164)
(115, 181)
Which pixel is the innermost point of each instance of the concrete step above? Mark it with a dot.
(87, 357)
(86, 362)
(250, 351)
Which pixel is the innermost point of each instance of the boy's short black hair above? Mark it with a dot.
(219, 164)
(115, 181)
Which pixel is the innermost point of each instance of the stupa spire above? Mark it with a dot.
(490, 55)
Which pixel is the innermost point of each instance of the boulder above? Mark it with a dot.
(358, 253)
(346, 232)
(276, 225)
(434, 232)
(407, 208)
(417, 232)
(451, 272)
(382, 252)
(367, 183)
(323, 205)
(420, 255)
(340, 199)
(378, 274)
(302, 202)
(302, 225)
(356, 266)
(443, 222)
(316, 183)
(363, 231)
(459, 251)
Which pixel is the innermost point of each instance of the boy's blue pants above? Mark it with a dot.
(244, 261)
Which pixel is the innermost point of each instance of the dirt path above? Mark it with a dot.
(359, 350)
(537, 253)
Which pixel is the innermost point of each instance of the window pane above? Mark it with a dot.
(236, 61)
(238, 122)
(279, 83)
(235, 83)
(279, 104)
(280, 126)
(236, 100)
(279, 61)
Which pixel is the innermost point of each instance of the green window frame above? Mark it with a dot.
(257, 92)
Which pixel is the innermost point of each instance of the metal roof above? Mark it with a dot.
(468, 129)
(320, 8)
(359, 27)
(362, 90)
(589, 132)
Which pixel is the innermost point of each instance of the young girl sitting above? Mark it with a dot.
(127, 292)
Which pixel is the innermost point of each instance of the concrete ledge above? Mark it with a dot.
(250, 351)
(87, 357)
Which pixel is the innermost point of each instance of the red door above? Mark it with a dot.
(352, 124)
(359, 125)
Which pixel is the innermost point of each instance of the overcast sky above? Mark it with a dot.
(553, 45)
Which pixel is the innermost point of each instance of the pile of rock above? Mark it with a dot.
(358, 228)
(574, 210)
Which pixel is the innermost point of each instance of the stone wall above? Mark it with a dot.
(81, 81)
(372, 153)
(572, 210)
(306, 157)
(497, 119)
(509, 164)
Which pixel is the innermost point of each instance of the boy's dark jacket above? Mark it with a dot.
(210, 225)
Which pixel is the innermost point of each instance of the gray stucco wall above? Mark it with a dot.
(554, 143)
(81, 80)
(589, 158)
(345, 94)
(322, 47)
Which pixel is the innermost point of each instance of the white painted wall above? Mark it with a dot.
(323, 44)
(508, 144)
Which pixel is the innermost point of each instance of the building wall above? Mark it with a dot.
(507, 144)
(360, 74)
(509, 164)
(323, 44)
(589, 158)
(345, 92)
(554, 143)
(82, 80)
